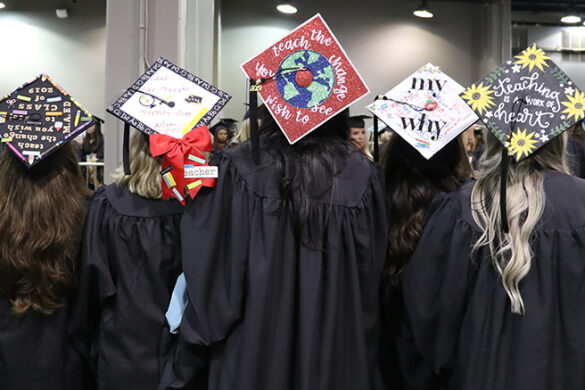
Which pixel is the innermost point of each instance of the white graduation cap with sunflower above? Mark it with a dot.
(526, 102)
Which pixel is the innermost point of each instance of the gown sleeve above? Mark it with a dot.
(95, 280)
(434, 286)
(214, 236)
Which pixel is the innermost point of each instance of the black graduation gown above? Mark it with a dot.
(270, 312)
(459, 330)
(36, 353)
(576, 156)
(131, 258)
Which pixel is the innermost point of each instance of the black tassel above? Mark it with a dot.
(376, 147)
(503, 183)
(254, 123)
(126, 149)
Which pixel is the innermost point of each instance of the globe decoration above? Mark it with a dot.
(309, 87)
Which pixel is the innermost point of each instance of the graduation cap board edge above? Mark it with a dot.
(39, 117)
(425, 109)
(304, 79)
(173, 106)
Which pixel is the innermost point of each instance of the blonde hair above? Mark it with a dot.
(244, 133)
(145, 178)
(525, 202)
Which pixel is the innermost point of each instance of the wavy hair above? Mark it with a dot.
(411, 183)
(145, 178)
(525, 202)
(42, 210)
(307, 168)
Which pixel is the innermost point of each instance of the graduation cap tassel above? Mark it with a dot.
(503, 183)
(376, 148)
(126, 148)
(376, 135)
(254, 122)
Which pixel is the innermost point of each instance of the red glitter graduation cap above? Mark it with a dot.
(305, 78)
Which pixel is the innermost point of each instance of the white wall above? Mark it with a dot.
(552, 38)
(72, 51)
(383, 39)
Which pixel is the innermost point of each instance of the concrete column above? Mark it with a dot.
(498, 38)
(140, 31)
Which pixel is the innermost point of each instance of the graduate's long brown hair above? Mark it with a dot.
(307, 169)
(411, 183)
(42, 211)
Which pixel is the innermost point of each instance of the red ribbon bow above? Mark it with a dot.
(176, 154)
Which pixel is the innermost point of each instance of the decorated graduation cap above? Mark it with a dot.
(38, 118)
(304, 79)
(425, 109)
(525, 102)
(174, 107)
(358, 121)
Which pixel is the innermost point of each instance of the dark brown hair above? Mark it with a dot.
(92, 141)
(307, 169)
(42, 211)
(411, 183)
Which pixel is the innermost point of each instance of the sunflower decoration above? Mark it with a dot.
(521, 144)
(532, 57)
(575, 107)
(478, 97)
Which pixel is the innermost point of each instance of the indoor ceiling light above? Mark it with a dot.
(423, 11)
(570, 19)
(286, 8)
(62, 13)
(2, 5)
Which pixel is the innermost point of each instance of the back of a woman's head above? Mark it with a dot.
(145, 179)
(411, 183)
(42, 210)
(525, 201)
(92, 141)
(307, 169)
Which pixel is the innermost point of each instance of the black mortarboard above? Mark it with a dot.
(525, 102)
(358, 121)
(225, 123)
(38, 118)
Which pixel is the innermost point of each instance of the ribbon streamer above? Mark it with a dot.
(176, 154)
